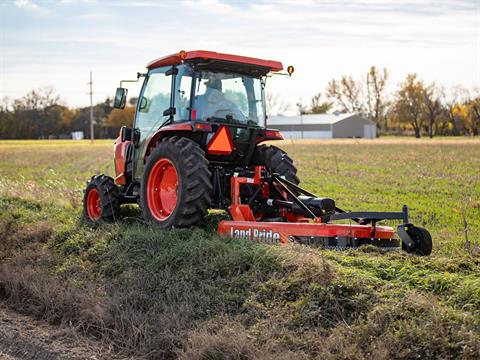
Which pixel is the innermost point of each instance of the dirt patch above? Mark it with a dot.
(24, 338)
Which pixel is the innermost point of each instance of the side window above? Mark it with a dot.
(201, 87)
(154, 101)
(182, 100)
(258, 100)
(234, 90)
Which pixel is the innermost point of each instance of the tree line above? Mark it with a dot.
(414, 107)
(41, 114)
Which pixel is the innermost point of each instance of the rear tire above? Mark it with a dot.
(276, 160)
(101, 200)
(176, 184)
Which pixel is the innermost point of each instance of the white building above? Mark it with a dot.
(77, 135)
(323, 126)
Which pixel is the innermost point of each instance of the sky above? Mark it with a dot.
(57, 43)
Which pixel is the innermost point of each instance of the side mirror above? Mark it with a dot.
(120, 98)
(126, 133)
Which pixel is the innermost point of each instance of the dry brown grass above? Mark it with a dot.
(219, 339)
(292, 303)
(15, 238)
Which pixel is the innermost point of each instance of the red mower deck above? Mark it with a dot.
(279, 232)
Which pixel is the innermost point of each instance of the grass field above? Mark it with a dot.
(188, 293)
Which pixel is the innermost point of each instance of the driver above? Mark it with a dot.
(213, 102)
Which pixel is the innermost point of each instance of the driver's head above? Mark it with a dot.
(214, 83)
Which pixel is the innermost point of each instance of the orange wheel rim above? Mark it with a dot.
(94, 210)
(162, 187)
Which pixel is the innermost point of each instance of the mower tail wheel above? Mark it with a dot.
(101, 199)
(422, 239)
(176, 184)
(277, 161)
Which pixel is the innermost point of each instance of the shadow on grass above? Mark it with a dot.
(132, 214)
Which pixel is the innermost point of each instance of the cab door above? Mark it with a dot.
(152, 110)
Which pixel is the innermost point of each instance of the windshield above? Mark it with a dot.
(227, 97)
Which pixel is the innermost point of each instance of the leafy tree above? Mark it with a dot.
(467, 116)
(474, 115)
(455, 115)
(433, 108)
(409, 103)
(66, 119)
(376, 101)
(319, 107)
(7, 121)
(347, 94)
(119, 117)
(31, 112)
(58, 119)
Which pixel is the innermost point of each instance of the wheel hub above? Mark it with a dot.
(94, 209)
(162, 189)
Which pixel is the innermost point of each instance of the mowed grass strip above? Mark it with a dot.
(188, 293)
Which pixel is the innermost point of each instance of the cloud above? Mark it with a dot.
(215, 6)
(77, 1)
(439, 39)
(27, 4)
(97, 16)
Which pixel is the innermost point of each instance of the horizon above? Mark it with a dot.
(438, 40)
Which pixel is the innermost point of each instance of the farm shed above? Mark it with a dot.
(324, 126)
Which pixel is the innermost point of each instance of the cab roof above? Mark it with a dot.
(211, 57)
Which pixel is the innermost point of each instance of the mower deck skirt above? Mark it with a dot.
(283, 232)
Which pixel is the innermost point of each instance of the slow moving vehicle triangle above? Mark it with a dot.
(221, 143)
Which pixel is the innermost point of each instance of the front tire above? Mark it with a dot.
(176, 184)
(276, 160)
(101, 200)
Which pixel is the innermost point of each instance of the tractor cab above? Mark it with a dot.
(217, 100)
(219, 96)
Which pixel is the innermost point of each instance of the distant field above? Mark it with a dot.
(185, 292)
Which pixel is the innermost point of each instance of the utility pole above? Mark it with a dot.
(92, 137)
(300, 109)
(301, 116)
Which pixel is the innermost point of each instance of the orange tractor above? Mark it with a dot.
(197, 144)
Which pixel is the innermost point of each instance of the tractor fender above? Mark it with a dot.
(181, 129)
(120, 150)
